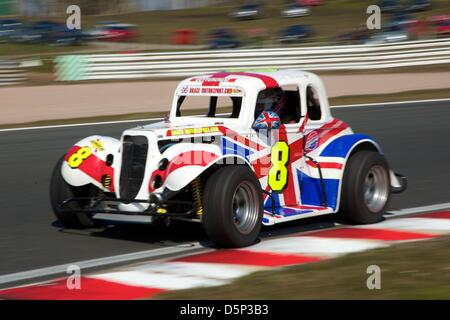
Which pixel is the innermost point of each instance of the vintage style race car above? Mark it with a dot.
(238, 150)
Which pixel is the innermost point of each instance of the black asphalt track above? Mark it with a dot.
(414, 136)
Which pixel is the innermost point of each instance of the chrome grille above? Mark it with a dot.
(134, 156)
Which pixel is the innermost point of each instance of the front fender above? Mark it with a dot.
(86, 162)
(187, 161)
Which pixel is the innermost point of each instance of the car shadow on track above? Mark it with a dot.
(177, 232)
(181, 232)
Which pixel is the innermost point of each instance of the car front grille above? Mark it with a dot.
(134, 156)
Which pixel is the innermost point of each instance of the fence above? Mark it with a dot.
(10, 73)
(180, 64)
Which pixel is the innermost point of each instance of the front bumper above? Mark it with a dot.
(156, 206)
(399, 183)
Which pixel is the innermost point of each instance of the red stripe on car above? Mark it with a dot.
(325, 165)
(269, 82)
(94, 167)
(189, 158)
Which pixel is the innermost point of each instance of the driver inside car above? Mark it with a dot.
(271, 104)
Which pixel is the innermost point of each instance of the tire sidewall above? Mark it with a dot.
(60, 190)
(353, 206)
(218, 204)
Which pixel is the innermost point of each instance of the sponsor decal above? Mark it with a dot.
(184, 90)
(197, 90)
(312, 141)
(187, 131)
(212, 80)
(97, 145)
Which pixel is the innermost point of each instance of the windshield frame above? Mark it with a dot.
(203, 118)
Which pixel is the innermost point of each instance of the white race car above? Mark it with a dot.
(238, 150)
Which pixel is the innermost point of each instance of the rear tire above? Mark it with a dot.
(233, 207)
(60, 190)
(366, 188)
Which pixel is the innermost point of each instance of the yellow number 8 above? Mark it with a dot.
(78, 157)
(278, 173)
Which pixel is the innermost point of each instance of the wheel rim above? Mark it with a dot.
(245, 207)
(376, 188)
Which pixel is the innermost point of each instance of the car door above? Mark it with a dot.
(320, 128)
(287, 152)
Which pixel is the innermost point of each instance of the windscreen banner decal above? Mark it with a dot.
(216, 91)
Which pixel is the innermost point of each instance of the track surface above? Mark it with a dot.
(415, 138)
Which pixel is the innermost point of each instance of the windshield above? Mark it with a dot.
(209, 106)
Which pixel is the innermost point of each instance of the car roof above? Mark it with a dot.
(251, 80)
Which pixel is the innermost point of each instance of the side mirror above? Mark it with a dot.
(167, 117)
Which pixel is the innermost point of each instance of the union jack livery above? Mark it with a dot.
(238, 150)
(267, 120)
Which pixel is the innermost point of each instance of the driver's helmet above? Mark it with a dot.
(267, 120)
(270, 100)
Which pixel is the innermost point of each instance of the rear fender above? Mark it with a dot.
(86, 162)
(343, 147)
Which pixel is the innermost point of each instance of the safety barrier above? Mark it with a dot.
(10, 73)
(180, 64)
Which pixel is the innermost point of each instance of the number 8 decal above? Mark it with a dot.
(278, 173)
(77, 158)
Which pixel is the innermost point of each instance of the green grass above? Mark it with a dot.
(415, 270)
(327, 20)
(23, 50)
(156, 26)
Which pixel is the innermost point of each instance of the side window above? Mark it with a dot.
(284, 101)
(313, 103)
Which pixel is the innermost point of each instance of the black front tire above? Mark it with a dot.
(227, 191)
(60, 190)
(365, 171)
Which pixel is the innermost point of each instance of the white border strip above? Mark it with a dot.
(389, 103)
(430, 208)
(156, 119)
(180, 249)
(61, 269)
(79, 124)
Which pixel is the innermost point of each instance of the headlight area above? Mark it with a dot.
(159, 175)
(171, 203)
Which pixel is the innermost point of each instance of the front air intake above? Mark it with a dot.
(134, 156)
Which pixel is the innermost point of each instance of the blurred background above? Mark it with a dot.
(124, 64)
(33, 33)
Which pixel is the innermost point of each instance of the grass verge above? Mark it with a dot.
(157, 26)
(414, 270)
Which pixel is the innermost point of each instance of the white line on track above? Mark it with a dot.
(154, 253)
(43, 272)
(433, 207)
(79, 124)
(389, 103)
(156, 119)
